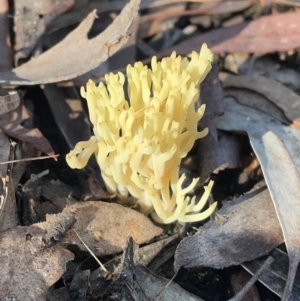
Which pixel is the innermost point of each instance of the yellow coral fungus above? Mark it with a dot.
(139, 142)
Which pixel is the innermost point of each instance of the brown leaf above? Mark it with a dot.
(216, 149)
(68, 113)
(242, 233)
(277, 148)
(105, 227)
(30, 21)
(257, 101)
(76, 54)
(10, 124)
(144, 285)
(282, 97)
(238, 281)
(267, 34)
(76, 15)
(28, 268)
(274, 278)
(222, 7)
(8, 209)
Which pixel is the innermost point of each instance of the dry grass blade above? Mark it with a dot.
(90, 251)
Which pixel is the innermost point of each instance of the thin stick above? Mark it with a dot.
(165, 287)
(101, 265)
(29, 159)
(255, 277)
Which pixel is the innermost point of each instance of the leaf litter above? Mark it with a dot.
(60, 46)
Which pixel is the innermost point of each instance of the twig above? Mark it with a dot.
(101, 265)
(245, 289)
(29, 159)
(165, 287)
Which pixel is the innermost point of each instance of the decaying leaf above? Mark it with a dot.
(76, 54)
(257, 101)
(31, 19)
(68, 113)
(105, 227)
(274, 278)
(143, 285)
(217, 150)
(241, 233)
(29, 267)
(278, 32)
(10, 124)
(277, 148)
(8, 208)
(284, 98)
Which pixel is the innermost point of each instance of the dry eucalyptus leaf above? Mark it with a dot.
(290, 78)
(212, 97)
(146, 254)
(68, 113)
(105, 227)
(8, 208)
(247, 228)
(143, 285)
(166, 290)
(278, 32)
(30, 21)
(278, 94)
(257, 101)
(76, 54)
(77, 14)
(275, 277)
(10, 123)
(224, 7)
(238, 281)
(217, 150)
(28, 267)
(277, 148)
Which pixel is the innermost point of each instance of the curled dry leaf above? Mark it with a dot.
(277, 148)
(105, 227)
(267, 34)
(241, 233)
(28, 267)
(30, 21)
(284, 98)
(76, 54)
